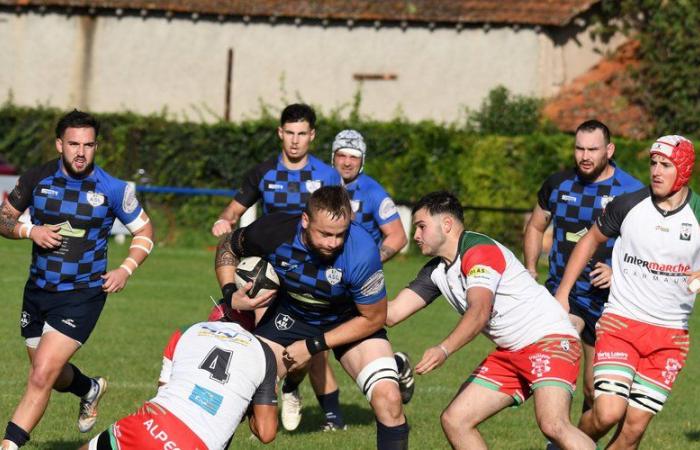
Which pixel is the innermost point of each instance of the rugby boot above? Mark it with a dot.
(88, 404)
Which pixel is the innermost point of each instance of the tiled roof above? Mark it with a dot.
(601, 93)
(522, 12)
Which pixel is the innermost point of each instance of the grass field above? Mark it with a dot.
(173, 289)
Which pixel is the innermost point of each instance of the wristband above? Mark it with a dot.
(27, 227)
(316, 344)
(125, 267)
(447, 352)
(227, 291)
(220, 220)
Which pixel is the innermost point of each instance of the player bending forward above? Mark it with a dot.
(538, 349)
(212, 372)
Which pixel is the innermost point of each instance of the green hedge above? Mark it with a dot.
(409, 159)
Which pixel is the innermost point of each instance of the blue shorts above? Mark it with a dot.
(589, 319)
(72, 313)
(280, 325)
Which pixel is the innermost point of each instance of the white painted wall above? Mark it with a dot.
(147, 65)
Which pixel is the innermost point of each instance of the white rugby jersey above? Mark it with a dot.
(523, 311)
(213, 371)
(654, 250)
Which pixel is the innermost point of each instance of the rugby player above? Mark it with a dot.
(538, 348)
(642, 337)
(571, 200)
(331, 296)
(73, 204)
(214, 374)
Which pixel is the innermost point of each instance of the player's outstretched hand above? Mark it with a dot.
(601, 275)
(240, 299)
(115, 280)
(693, 281)
(296, 355)
(46, 236)
(433, 358)
(221, 227)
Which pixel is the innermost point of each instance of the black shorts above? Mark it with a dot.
(589, 320)
(280, 325)
(72, 313)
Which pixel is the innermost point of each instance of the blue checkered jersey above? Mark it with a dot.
(575, 204)
(372, 205)
(317, 292)
(85, 208)
(282, 189)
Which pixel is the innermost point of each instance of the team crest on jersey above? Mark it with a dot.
(334, 275)
(95, 198)
(130, 202)
(540, 364)
(685, 231)
(283, 322)
(313, 185)
(355, 205)
(605, 200)
(24, 320)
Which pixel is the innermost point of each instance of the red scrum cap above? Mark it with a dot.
(680, 152)
(224, 313)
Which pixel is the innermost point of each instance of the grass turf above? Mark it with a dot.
(172, 289)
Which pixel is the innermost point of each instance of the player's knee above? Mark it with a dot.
(554, 428)
(606, 418)
(42, 377)
(386, 396)
(453, 420)
(377, 373)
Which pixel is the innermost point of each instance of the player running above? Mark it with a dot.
(538, 349)
(643, 338)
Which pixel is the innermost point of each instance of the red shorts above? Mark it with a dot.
(153, 428)
(641, 352)
(551, 361)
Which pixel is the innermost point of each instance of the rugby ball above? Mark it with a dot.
(258, 271)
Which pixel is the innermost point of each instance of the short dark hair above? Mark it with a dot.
(77, 119)
(333, 199)
(590, 126)
(440, 202)
(298, 112)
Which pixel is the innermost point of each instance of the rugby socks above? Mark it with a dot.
(330, 403)
(290, 384)
(14, 433)
(81, 384)
(392, 438)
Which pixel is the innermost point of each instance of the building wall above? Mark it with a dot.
(105, 63)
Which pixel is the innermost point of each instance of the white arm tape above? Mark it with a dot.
(147, 250)
(137, 224)
(124, 266)
(27, 228)
(129, 258)
(146, 247)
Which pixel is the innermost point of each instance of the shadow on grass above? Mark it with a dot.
(313, 418)
(693, 436)
(63, 445)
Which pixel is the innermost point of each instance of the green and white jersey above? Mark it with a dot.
(523, 311)
(651, 257)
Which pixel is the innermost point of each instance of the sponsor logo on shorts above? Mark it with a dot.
(540, 364)
(283, 322)
(333, 275)
(673, 366)
(374, 284)
(25, 319)
(565, 345)
(313, 185)
(160, 435)
(70, 323)
(387, 209)
(685, 231)
(603, 356)
(95, 198)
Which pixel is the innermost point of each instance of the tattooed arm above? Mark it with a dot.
(8, 221)
(226, 261)
(45, 236)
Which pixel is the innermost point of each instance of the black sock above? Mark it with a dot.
(16, 434)
(80, 385)
(392, 438)
(292, 383)
(330, 403)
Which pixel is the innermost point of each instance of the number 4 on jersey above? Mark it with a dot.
(216, 363)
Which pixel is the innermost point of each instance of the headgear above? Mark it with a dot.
(681, 153)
